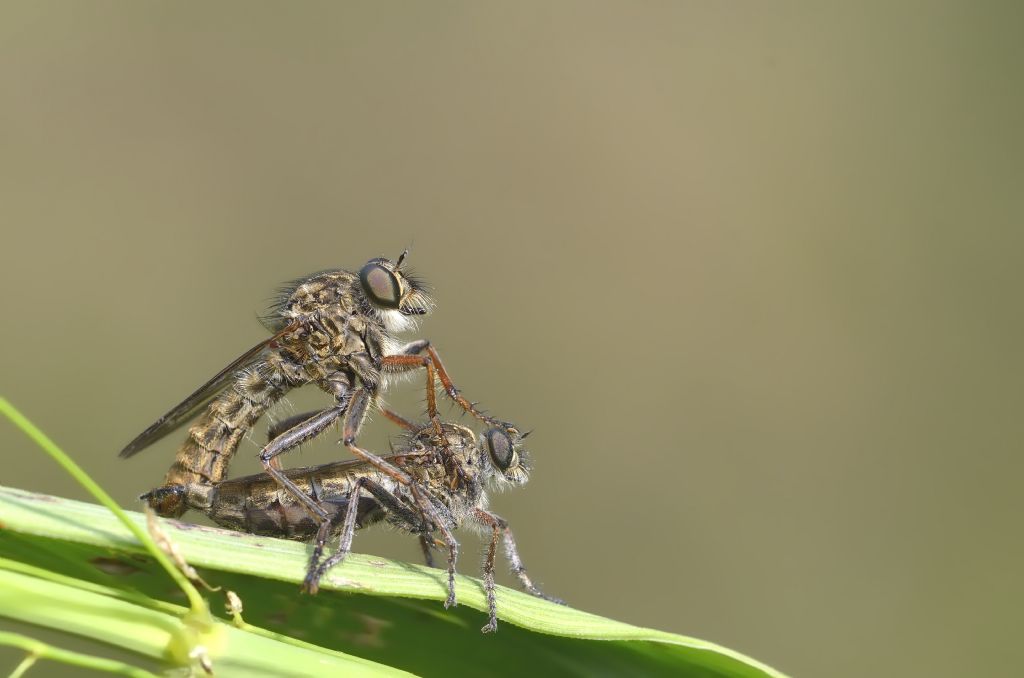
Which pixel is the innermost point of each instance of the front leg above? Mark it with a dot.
(410, 357)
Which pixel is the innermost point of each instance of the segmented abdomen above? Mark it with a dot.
(212, 440)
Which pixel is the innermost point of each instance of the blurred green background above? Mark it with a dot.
(752, 272)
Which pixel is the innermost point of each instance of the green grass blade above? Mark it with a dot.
(401, 622)
(154, 630)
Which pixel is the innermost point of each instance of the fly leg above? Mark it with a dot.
(320, 541)
(398, 419)
(279, 427)
(410, 357)
(496, 524)
(512, 553)
(403, 363)
(398, 511)
(304, 427)
(348, 526)
(427, 544)
(354, 415)
(294, 436)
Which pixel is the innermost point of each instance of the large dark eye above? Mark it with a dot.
(500, 447)
(380, 285)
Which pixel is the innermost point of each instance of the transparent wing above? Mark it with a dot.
(334, 469)
(337, 469)
(191, 405)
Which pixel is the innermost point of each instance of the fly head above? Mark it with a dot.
(506, 454)
(394, 292)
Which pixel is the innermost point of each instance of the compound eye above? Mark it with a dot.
(499, 445)
(381, 285)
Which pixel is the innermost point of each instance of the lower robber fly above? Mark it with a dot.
(354, 494)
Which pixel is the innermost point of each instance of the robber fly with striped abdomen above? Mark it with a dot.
(334, 329)
(356, 494)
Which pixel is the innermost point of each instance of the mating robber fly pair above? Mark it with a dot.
(336, 329)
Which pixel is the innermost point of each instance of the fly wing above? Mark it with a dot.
(334, 469)
(193, 404)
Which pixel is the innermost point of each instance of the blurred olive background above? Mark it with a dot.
(750, 271)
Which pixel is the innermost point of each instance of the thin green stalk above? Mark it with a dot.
(200, 611)
(28, 662)
(40, 650)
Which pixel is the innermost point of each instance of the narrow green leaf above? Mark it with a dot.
(400, 622)
(155, 630)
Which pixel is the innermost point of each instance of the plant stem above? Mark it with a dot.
(40, 650)
(196, 601)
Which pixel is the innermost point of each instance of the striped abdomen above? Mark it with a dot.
(212, 440)
(257, 504)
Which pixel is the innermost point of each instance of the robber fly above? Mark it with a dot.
(335, 329)
(356, 494)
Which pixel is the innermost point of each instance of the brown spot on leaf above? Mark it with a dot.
(372, 634)
(114, 566)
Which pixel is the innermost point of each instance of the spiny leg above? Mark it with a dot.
(398, 419)
(300, 433)
(443, 520)
(407, 362)
(320, 542)
(391, 503)
(354, 416)
(447, 537)
(512, 553)
(403, 363)
(298, 428)
(409, 357)
(399, 512)
(348, 527)
(279, 427)
(350, 426)
(492, 604)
